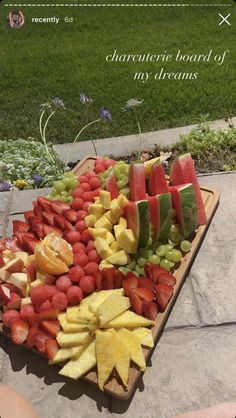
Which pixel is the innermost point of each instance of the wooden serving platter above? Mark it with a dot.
(211, 198)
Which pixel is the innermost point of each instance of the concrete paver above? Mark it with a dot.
(22, 200)
(191, 369)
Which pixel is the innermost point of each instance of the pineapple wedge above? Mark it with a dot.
(73, 339)
(129, 319)
(120, 259)
(105, 356)
(134, 346)
(66, 353)
(98, 233)
(77, 367)
(145, 336)
(101, 296)
(112, 306)
(122, 356)
(105, 199)
(102, 247)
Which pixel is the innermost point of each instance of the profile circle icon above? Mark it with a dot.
(16, 19)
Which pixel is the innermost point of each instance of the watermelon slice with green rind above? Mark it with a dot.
(184, 203)
(137, 182)
(161, 215)
(182, 171)
(111, 186)
(137, 215)
(157, 180)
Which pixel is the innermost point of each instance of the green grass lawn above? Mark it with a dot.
(40, 61)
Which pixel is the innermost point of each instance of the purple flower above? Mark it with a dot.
(105, 114)
(85, 99)
(37, 178)
(5, 186)
(57, 102)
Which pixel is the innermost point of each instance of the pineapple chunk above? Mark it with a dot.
(90, 220)
(96, 210)
(25, 302)
(129, 319)
(105, 199)
(105, 265)
(102, 248)
(116, 210)
(110, 238)
(123, 221)
(127, 240)
(120, 259)
(112, 217)
(118, 229)
(77, 367)
(105, 356)
(35, 283)
(122, 356)
(22, 255)
(145, 336)
(122, 200)
(73, 327)
(98, 232)
(80, 315)
(115, 247)
(66, 353)
(103, 222)
(103, 295)
(73, 339)
(112, 306)
(133, 345)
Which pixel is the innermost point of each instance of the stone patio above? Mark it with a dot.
(193, 365)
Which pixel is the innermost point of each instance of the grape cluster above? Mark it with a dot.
(121, 171)
(62, 189)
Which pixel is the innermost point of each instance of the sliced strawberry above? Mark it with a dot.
(152, 271)
(14, 302)
(59, 221)
(49, 314)
(43, 306)
(15, 266)
(98, 280)
(30, 244)
(27, 214)
(107, 278)
(68, 226)
(18, 236)
(48, 217)
(150, 310)
(129, 284)
(5, 294)
(13, 288)
(51, 348)
(136, 302)
(38, 212)
(19, 331)
(2, 262)
(166, 278)
(70, 215)
(36, 226)
(118, 279)
(51, 327)
(20, 226)
(147, 283)
(31, 272)
(39, 340)
(30, 341)
(10, 316)
(164, 293)
(145, 294)
(48, 229)
(59, 206)
(44, 203)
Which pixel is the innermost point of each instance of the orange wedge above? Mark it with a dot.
(60, 246)
(49, 261)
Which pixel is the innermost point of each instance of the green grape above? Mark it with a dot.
(135, 272)
(154, 259)
(169, 247)
(74, 183)
(123, 270)
(174, 255)
(171, 264)
(67, 181)
(56, 197)
(59, 186)
(150, 252)
(125, 190)
(49, 197)
(63, 199)
(139, 270)
(175, 237)
(185, 246)
(122, 169)
(69, 199)
(69, 174)
(161, 250)
(117, 172)
(124, 179)
(165, 264)
(64, 194)
(120, 184)
(143, 252)
(131, 265)
(53, 193)
(142, 261)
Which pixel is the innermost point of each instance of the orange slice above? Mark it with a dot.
(60, 246)
(48, 261)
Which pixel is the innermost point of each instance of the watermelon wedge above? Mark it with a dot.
(184, 202)
(182, 171)
(160, 208)
(111, 186)
(157, 180)
(137, 181)
(137, 215)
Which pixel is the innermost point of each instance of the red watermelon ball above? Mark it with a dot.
(77, 192)
(80, 226)
(60, 301)
(87, 284)
(75, 274)
(85, 236)
(73, 236)
(78, 247)
(77, 204)
(74, 295)
(80, 259)
(63, 283)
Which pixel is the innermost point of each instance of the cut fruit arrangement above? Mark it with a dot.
(86, 275)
